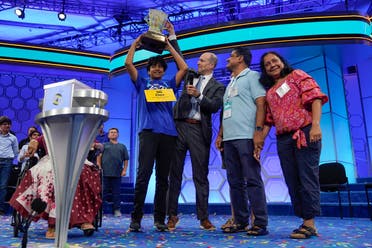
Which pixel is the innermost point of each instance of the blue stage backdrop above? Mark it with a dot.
(327, 70)
(346, 120)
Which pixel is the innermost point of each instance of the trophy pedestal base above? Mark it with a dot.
(153, 42)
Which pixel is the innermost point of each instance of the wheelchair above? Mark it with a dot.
(98, 219)
(20, 223)
(97, 222)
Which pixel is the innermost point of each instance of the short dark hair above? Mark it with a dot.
(34, 127)
(246, 53)
(114, 128)
(5, 119)
(35, 131)
(156, 60)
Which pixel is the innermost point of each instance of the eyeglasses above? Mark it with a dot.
(5, 123)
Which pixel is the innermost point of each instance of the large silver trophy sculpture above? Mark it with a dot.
(70, 117)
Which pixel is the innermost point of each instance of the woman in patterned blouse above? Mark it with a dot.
(294, 106)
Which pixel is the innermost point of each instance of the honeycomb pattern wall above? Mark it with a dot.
(20, 94)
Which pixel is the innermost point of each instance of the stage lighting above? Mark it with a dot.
(20, 12)
(61, 16)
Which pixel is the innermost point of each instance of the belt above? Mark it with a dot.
(192, 121)
(6, 159)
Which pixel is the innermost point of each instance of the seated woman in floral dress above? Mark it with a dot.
(39, 182)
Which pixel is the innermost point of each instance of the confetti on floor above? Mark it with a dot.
(333, 232)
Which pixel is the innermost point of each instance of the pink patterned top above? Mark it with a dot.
(292, 110)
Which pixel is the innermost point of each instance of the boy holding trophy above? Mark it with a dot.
(157, 132)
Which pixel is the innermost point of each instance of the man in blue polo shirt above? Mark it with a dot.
(241, 132)
(8, 150)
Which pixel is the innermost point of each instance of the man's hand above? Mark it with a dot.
(257, 154)
(258, 141)
(192, 90)
(219, 144)
(170, 28)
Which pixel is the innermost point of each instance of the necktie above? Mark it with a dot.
(194, 102)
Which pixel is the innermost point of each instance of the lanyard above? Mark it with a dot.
(231, 87)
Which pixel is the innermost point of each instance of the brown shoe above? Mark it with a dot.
(229, 223)
(207, 225)
(50, 234)
(172, 222)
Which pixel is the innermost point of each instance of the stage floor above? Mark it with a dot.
(333, 232)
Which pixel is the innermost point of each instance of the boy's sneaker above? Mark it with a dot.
(135, 226)
(160, 226)
(117, 213)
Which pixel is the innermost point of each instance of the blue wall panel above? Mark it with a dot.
(365, 77)
(367, 102)
(328, 141)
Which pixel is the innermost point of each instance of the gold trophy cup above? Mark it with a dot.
(154, 40)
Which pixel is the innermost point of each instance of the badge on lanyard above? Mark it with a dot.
(233, 91)
(227, 109)
(282, 90)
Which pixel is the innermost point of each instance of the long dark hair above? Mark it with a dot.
(268, 81)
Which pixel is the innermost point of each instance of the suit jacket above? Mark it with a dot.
(176, 47)
(211, 103)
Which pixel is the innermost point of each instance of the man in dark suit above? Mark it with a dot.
(201, 96)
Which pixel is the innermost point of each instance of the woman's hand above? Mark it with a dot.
(315, 133)
(32, 147)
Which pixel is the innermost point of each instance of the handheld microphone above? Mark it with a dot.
(191, 74)
(38, 206)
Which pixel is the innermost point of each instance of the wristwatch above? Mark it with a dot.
(258, 128)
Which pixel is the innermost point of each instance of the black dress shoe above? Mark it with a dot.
(160, 226)
(135, 226)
